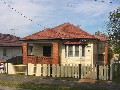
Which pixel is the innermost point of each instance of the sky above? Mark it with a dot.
(90, 15)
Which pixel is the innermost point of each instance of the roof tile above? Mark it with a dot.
(64, 31)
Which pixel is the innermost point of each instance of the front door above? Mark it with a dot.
(46, 50)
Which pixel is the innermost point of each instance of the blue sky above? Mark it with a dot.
(91, 15)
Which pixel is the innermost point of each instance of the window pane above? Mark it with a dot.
(70, 51)
(70, 54)
(76, 51)
(70, 48)
(83, 50)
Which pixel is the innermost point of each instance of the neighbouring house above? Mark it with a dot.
(10, 47)
(64, 44)
(103, 49)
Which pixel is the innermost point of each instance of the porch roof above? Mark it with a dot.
(64, 31)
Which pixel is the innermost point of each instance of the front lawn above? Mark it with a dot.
(33, 86)
(38, 83)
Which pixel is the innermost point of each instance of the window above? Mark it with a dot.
(75, 51)
(4, 52)
(70, 51)
(83, 50)
(46, 50)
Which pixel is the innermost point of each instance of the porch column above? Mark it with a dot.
(25, 52)
(106, 53)
(55, 53)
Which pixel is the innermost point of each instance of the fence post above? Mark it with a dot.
(79, 71)
(50, 70)
(97, 71)
(27, 69)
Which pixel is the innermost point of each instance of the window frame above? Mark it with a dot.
(73, 46)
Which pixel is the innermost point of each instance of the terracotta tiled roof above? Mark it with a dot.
(9, 40)
(64, 31)
(102, 38)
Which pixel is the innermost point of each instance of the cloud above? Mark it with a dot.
(50, 13)
(90, 8)
(37, 11)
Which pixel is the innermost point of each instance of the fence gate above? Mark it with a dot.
(88, 72)
(101, 72)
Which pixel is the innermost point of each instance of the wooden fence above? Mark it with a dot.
(101, 72)
(54, 70)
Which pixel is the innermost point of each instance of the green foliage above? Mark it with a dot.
(116, 49)
(113, 28)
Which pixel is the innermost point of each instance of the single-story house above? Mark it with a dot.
(10, 47)
(64, 44)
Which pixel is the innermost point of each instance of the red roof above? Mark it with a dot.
(102, 38)
(9, 40)
(64, 31)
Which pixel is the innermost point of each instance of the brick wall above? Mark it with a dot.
(25, 52)
(55, 53)
(42, 60)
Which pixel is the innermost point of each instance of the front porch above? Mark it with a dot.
(44, 54)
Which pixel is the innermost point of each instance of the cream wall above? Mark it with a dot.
(88, 59)
(12, 52)
(38, 48)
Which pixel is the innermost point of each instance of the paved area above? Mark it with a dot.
(88, 80)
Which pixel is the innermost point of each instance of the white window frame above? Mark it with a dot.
(80, 52)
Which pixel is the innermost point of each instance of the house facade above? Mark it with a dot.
(63, 44)
(10, 46)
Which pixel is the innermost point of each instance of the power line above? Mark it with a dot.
(21, 13)
(102, 1)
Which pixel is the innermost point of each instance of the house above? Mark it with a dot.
(63, 44)
(10, 47)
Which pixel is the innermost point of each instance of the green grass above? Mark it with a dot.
(34, 86)
(30, 82)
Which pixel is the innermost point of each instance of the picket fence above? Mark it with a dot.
(101, 72)
(54, 70)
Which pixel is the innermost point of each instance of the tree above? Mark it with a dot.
(113, 29)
